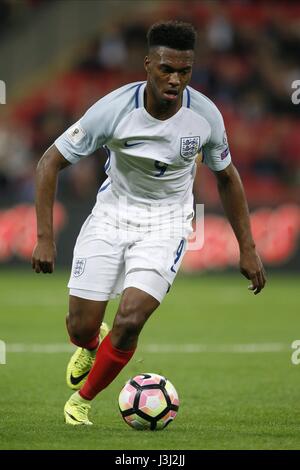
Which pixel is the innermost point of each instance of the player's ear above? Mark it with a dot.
(146, 63)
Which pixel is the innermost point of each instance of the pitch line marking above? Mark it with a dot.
(159, 348)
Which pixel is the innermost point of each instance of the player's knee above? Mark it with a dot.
(128, 327)
(130, 318)
(79, 328)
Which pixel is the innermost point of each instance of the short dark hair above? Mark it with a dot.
(174, 34)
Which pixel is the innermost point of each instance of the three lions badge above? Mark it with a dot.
(189, 147)
(78, 267)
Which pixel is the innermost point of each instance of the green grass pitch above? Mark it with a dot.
(227, 352)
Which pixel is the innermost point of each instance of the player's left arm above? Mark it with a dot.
(234, 201)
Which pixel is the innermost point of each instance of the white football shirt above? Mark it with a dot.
(150, 161)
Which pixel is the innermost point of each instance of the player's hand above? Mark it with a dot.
(252, 268)
(43, 256)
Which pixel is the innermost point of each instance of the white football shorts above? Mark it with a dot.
(108, 259)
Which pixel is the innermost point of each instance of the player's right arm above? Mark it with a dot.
(91, 132)
(44, 253)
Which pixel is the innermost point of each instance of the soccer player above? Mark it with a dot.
(153, 132)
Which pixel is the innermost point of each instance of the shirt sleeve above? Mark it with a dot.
(216, 154)
(86, 135)
(97, 126)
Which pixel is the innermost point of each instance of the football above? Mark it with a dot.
(148, 401)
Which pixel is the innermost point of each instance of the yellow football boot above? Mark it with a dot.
(76, 411)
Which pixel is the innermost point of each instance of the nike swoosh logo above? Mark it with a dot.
(72, 417)
(132, 145)
(76, 380)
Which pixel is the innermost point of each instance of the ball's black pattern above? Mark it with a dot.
(136, 410)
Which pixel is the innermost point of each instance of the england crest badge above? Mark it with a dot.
(189, 147)
(79, 266)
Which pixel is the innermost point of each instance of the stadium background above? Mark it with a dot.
(59, 57)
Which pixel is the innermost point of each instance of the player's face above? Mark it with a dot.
(168, 73)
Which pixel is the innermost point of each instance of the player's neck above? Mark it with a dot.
(161, 111)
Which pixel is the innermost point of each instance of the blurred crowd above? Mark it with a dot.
(246, 62)
(13, 13)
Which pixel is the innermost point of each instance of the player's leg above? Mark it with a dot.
(97, 265)
(84, 319)
(114, 352)
(118, 347)
(86, 329)
(84, 323)
(97, 270)
(135, 308)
